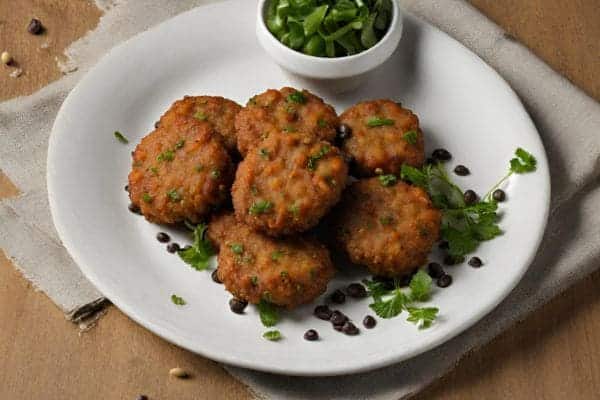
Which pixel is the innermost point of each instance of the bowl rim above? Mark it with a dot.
(394, 23)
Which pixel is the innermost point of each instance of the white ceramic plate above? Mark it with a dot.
(463, 106)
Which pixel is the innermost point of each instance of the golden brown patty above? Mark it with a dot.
(287, 183)
(181, 171)
(217, 111)
(253, 266)
(391, 230)
(284, 110)
(395, 141)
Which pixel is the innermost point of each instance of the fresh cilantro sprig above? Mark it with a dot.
(198, 255)
(269, 314)
(522, 163)
(391, 303)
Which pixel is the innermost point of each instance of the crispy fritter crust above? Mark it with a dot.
(181, 171)
(391, 230)
(274, 111)
(217, 111)
(252, 266)
(284, 187)
(383, 147)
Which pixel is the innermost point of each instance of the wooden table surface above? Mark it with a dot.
(553, 354)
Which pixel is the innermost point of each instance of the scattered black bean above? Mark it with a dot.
(499, 195)
(311, 335)
(443, 245)
(337, 318)
(356, 290)
(388, 283)
(470, 197)
(127, 188)
(322, 312)
(142, 397)
(35, 27)
(444, 281)
(134, 209)
(452, 260)
(435, 270)
(237, 305)
(350, 329)
(461, 170)
(344, 132)
(215, 276)
(173, 247)
(338, 297)
(338, 327)
(369, 322)
(156, 124)
(441, 155)
(475, 262)
(162, 237)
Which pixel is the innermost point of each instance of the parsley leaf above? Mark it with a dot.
(423, 317)
(297, 97)
(260, 207)
(198, 255)
(523, 162)
(377, 121)
(174, 195)
(237, 248)
(411, 137)
(269, 314)
(387, 180)
(273, 335)
(420, 286)
(177, 300)
(312, 160)
(391, 307)
(121, 138)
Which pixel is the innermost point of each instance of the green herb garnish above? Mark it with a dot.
(237, 248)
(154, 170)
(121, 138)
(174, 195)
(200, 116)
(167, 155)
(269, 314)
(177, 300)
(198, 255)
(376, 121)
(322, 123)
(273, 335)
(296, 97)
(312, 160)
(147, 198)
(260, 207)
(523, 162)
(180, 144)
(411, 137)
(276, 255)
(387, 180)
(423, 317)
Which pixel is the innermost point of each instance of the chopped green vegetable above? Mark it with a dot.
(260, 207)
(312, 160)
(269, 315)
(200, 116)
(387, 180)
(198, 255)
(423, 317)
(180, 144)
(273, 335)
(322, 123)
(276, 255)
(121, 138)
(376, 121)
(174, 195)
(237, 248)
(154, 170)
(420, 286)
(254, 280)
(177, 300)
(294, 209)
(147, 198)
(392, 306)
(297, 97)
(411, 137)
(167, 155)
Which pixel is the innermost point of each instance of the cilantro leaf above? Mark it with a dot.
(420, 286)
(273, 335)
(269, 314)
(177, 300)
(198, 255)
(388, 180)
(523, 162)
(411, 137)
(423, 317)
(391, 307)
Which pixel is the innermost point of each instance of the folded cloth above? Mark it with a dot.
(567, 119)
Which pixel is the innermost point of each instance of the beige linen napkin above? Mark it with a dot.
(567, 119)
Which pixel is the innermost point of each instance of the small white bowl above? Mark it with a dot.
(324, 68)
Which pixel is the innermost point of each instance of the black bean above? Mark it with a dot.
(344, 132)
(441, 155)
(444, 281)
(475, 262)
(499, 195)
(156, 124)
(350, 329)
(35, 27)
(453, 260)
(435, 270)
(430, 161)
(311, 335)
(338, 297)
(443, 245)
(127, 188)
(162, 237)
(215, 276)
(470, 197)
(356, 290)
(134, 209)
(369, 322)
(338, 327)
(237, 305)
(142, 397)
(173, 247)
(322, 312)
(461, 170)
(337, 318)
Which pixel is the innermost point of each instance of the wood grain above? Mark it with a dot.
(553, 354)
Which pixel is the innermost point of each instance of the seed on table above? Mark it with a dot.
(350, 329)
(322, 312)
(237, 306)
(461, 170)
(356, 290)
(499, 195)
(470, 197)
(475, 262)
(162, 237)
(311, 335)
(173, 247)
(344, 132)
(337, 318)
(6, 58)
(215, 276)
(441, 155)
(178, 373)
(134, 209)
(35, 26)
(444, 281)
(338, 297)
(435, 270)
(369, 322)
